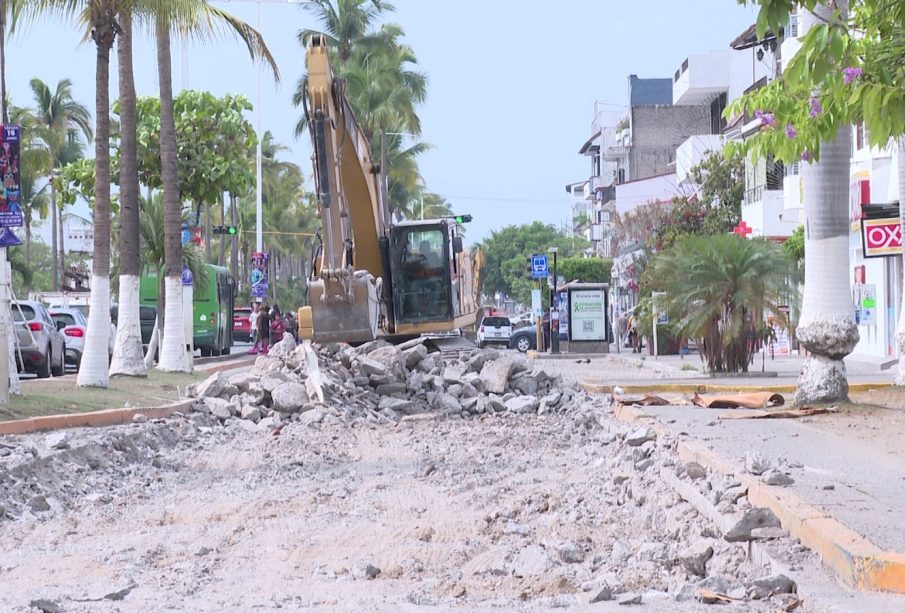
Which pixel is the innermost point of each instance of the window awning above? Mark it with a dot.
(589, 145)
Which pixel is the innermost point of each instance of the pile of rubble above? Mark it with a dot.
(377, 381)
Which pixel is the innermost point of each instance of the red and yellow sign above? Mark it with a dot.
(881, 237)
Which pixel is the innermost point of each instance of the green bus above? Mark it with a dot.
(212, 309)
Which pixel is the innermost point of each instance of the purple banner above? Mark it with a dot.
(10, 207)
(259, 278)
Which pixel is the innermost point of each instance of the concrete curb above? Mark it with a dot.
(706, 388)
(853, 559)
(94, 419)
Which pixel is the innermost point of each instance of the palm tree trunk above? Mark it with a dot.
(234, 248)
(54, 268)
(128, 353)
(173, 355)
(27, 220)
(93, 368)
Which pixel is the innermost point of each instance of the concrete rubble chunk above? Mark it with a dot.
(777, 477)
(222, 409)
(629, 598)
(364, 570)
(58, 440)
(242, 381)
(400, 405)
(212, 386)
(772, 585)
(250, 412)
(694, 558)
(522, 404)
(413, 356)
(289, 397)
(758, 517)
(370, 367)
(756, 463)
(447, 403)
(571, 553)
(272, 380)
(390, 389)
(495, 375)
(640, 436)
(695, 471)
(531, 561)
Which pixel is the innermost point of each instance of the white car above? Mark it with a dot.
(494, 330)
(523, 319)
(71, 322)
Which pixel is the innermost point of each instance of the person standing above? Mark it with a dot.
(253, 324)
(277, 327)
(264, 330)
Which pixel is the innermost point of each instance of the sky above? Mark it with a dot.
(511, 94)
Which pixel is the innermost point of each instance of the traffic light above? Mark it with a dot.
(232, 230)
(463, 218)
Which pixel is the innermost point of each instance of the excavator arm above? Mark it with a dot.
(345, 288)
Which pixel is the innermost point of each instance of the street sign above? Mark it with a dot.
(536, 306)
(660, 312)
(538, 266)
(10, 207)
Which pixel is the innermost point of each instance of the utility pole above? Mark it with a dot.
(554, 312)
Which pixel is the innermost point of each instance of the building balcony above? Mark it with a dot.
(615, 153)
(762, 211)
(701, 77)
(693, 151)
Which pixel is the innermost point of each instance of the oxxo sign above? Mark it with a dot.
(881, 237)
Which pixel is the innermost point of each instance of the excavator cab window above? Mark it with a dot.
(421, 275)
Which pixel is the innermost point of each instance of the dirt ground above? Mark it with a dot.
(503, 512)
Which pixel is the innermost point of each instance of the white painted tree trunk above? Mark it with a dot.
(153, 344)
(827, 328)
(93, 368)
(128, 353)
(173, 355)
(15, 388)
(900, 328)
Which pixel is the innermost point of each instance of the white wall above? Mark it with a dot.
(707, 74)
(691, 152)
(634, 193)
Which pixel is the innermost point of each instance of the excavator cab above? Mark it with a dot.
(422, 272)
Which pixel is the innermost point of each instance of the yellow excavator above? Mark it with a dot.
(372, 277)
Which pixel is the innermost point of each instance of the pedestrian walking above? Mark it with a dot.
(264, 330)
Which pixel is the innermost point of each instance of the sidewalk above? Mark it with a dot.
(685, 374)
(847, 502)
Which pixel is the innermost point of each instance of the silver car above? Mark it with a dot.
(72, 323)
(41, 347)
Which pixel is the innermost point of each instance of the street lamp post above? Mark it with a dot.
(259, 207)
(554, 312)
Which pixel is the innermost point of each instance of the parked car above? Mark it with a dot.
(41, 346)
(523, 319)
(74, 326)
(523, 339)
(242, 324)
(494, 330)
(147, 315)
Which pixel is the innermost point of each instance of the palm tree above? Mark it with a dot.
(201, 18)
(34, 164)
(127, 351)
(718, 288)
(153, 259)
(345, 23)
(826, 327)
(62, 120)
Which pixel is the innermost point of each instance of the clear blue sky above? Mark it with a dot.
(512, 84)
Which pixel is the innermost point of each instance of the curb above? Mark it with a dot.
(855, 560)
(94, 419)
(706, 388)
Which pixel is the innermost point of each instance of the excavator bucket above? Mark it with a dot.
(337, 318)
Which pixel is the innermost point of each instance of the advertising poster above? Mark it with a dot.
(259, 279)
(588, 315)
(562, 305)
(10, 209)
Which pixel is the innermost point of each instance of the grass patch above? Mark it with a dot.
(56, 396)
(689, 367)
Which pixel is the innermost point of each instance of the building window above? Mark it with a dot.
(792, 28)
(717, 122)
(620, 176)
(775, 173)
(860, 136)
(792, 169)
(595, 166)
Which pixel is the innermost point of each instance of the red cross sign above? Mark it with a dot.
(742, 229)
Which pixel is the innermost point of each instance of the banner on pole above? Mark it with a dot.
(259, 279)
(10, 206)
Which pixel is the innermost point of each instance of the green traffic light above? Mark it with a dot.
(232, 230)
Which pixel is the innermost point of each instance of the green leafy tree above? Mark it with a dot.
(720, 178)
(587, 270)
(718, 288)
(506, 252)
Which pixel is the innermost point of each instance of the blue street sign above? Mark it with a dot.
(538, 266)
